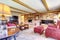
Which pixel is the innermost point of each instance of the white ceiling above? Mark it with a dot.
(16, 5)
(35, 4)
(53, 4)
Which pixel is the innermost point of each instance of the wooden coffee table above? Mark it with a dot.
(11, 33)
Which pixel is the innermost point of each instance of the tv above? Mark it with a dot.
(47, 21)
(30, 20)
(14, 19)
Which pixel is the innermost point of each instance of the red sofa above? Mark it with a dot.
(53, 33)
(39, 30)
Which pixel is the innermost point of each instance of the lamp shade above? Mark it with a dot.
(5, 10)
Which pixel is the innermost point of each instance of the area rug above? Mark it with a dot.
(29, 34)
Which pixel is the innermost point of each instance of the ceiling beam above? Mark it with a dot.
(19, 12)
(25, 5)
(16, 12)
(19, 9)
(45, 4)
(56, 11)
(53, 11)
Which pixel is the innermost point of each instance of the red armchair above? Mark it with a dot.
(53, 33)
(52, 25)
(39, 30)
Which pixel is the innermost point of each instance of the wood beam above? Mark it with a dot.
(25, 5)
(45, 4)
(20, 12)
(19, 9)
(55, 11)
(17, 12)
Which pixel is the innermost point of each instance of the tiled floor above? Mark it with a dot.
(30, 35)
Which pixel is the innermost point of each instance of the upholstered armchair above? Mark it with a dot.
(52, 25)
(39, 30)
(52, 32)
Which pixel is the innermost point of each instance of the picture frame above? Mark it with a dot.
(37, 17)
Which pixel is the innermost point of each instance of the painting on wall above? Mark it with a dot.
(37, 17)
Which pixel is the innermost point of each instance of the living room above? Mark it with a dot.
(29, 19)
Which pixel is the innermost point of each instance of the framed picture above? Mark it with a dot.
(37, 17)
